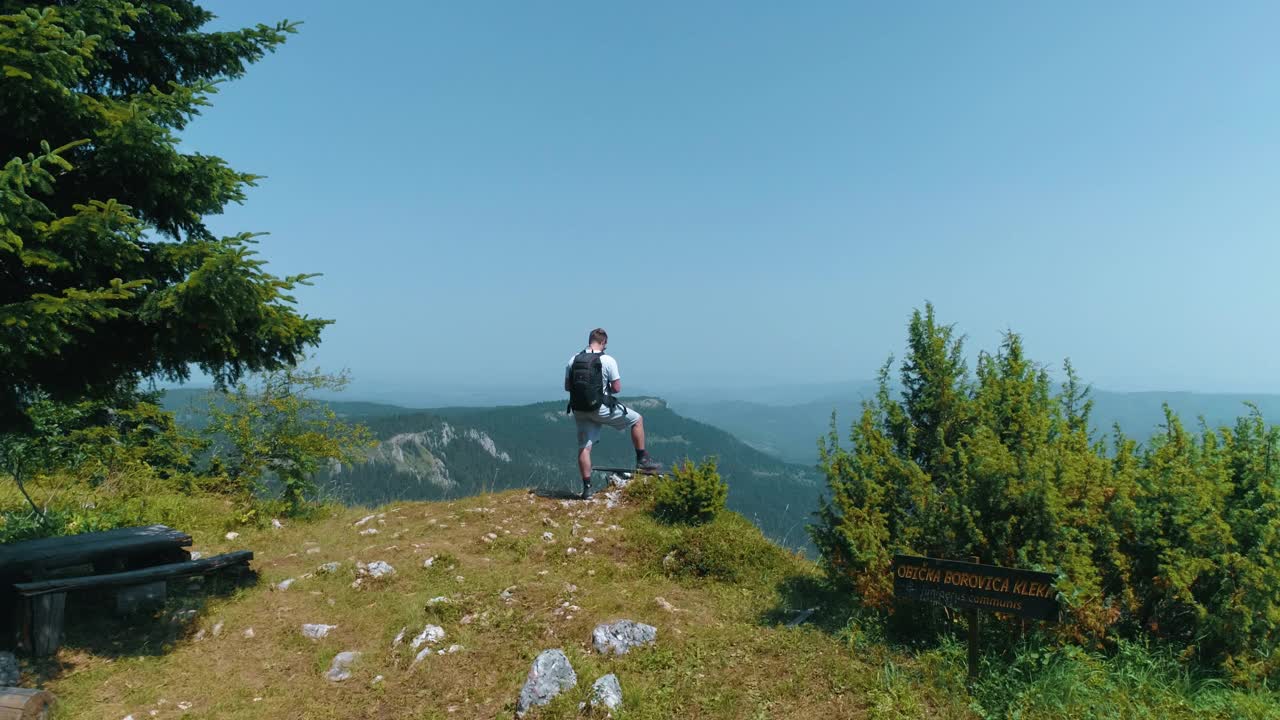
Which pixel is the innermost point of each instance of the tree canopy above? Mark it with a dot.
(108, 272)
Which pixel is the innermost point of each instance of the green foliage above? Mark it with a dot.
(1179, 540)
(690, 494)
(728, 549)
(110, 272)
(276, 430)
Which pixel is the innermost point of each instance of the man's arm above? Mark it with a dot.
(615, 387)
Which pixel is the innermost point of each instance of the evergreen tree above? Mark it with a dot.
(108, 273)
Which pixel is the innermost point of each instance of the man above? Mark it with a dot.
(593, 383)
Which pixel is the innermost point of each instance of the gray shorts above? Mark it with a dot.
(590, 423)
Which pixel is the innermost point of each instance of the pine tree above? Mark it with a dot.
(108, 273)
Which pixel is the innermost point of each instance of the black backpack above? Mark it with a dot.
(586, 383)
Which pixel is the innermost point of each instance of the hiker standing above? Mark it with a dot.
(593, 383)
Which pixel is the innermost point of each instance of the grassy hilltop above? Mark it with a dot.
(719, 594)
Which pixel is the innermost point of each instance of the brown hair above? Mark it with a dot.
(598, 336)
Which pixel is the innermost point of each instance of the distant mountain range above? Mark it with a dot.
(790, 432)
(445, 453)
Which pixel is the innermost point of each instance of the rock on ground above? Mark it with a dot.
(606, 692)
(622, 636)
(549, 676)
(430, 635)
(341, 668)
(316, 631)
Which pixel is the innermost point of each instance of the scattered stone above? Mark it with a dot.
(196, 554)
(468, 619)
(548, 537)
(570, 588)
(284, 584)
(452, 649)
(341, 668)
(429, 562)
(804, 615)
(232, 535)
(550, 675)
(248, 632)
(437, 600)
(492, 536)
(399, 637)
(375, 681)
(369, 531)
(313, 551)
(217, 628)
(316, 631)
(622, 636)
(460, 578)
(364, 520)
(423, 653)
(606, 692)
(199, 635)
(184, 705)
(662, 603)
(379, 568)
(275, 523)
(571, 551)
(430, 635)
(329, 568)
(8, 669)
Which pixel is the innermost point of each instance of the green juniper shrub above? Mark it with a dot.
(728, 549)
(1176, 541)
(691, 495)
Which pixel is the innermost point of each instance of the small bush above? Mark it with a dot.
(729, 549)
(691, 494)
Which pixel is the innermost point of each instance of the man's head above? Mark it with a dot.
(598, 338)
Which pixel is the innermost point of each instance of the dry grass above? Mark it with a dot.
(714, 658)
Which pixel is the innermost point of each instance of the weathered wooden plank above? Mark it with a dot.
(131, 598)
(134, 577)
(24, 703)
(87, 548)
(49, 613)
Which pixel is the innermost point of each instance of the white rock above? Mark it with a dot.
(196, 554)
(379, 568)
(429, 562)
(248, 632)
(217, 628)
(375, 681)
(399, 637)
(341, 668)
(364, 520)
(606, 692)
(316, 631)
(184, 705)
(232, 535)
(313, 550)
(430, 635)
(369, 531)
(329, 568)
(284, 584)
(548, 537)
(276, 524)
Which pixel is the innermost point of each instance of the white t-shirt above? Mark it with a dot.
(608, 368)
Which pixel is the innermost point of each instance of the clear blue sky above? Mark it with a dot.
(744, 193)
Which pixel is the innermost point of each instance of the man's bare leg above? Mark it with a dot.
(584, 462)
(637, 434)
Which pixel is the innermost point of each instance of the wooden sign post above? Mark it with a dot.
(971, 587)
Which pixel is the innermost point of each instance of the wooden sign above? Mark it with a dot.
(1026, 593)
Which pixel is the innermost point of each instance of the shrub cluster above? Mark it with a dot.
(691, 494)
(1177, 539)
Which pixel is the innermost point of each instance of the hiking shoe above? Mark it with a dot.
(586, 490)
(648, 465)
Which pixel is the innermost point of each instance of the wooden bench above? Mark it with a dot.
(46, 599)
(36, 575)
